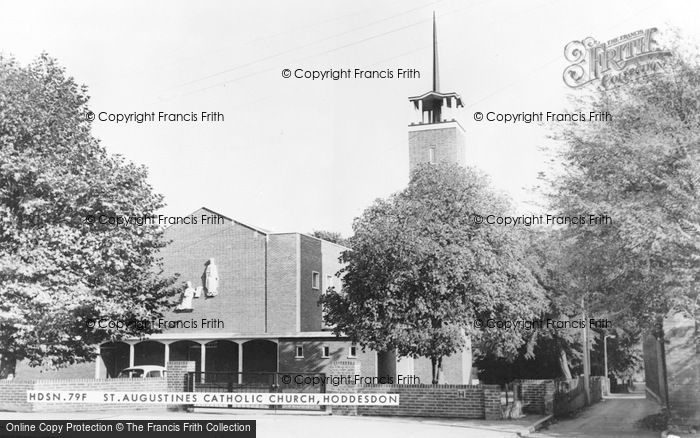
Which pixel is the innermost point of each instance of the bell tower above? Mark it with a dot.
(435, 135)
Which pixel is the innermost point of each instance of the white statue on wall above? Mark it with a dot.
(187, 295)
(211, 279)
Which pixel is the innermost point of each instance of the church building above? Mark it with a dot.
(249, 296)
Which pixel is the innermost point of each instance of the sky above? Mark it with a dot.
(299, 154)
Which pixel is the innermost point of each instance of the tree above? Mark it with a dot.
(642, 170)
(331, 236)
(551, 263)
(421, 271)
(60, 267)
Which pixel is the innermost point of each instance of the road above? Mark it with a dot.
(293, 425)
(614, 417)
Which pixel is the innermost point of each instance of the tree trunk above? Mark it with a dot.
(8, 361)
(437, 368)
(564, 364)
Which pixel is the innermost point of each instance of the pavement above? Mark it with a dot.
(295, 424)
(613, 417)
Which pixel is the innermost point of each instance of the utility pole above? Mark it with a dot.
(605, 359)
(586, 355)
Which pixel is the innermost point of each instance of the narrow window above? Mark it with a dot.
(353, 351)
(431, 155)
(299, 352)
(315, 280)
(326, 351)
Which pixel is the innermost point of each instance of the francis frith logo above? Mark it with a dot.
(613, 62)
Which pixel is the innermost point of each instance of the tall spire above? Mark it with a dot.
(436, 72)
(435, 106)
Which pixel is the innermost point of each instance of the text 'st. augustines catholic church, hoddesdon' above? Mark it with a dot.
(250, 298)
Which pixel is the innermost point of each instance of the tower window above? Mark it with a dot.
(352, 351)
(315, 280)
(431, 156)
(299, 352)
(326, 351)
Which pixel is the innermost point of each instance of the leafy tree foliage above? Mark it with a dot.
(642, 169)
(422, 270)
(57, 269)
(331, 236)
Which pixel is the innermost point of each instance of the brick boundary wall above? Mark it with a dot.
(448, 401)
(177, 380)
(537, 396)
(13, 394)
(439, 401)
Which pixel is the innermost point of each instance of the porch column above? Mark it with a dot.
(166, 358)
(203, 358)
(131, 354)
(98, 361)
(240, 362)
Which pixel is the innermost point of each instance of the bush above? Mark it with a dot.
(657, 422)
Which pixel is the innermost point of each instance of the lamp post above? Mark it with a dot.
(605, 358)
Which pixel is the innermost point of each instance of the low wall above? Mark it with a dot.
(447, 401)
(13, 393)
(537, 396)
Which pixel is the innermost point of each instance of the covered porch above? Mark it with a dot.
(243, 355)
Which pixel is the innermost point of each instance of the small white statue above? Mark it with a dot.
(187, 295)
(198, 291)
(211, 279)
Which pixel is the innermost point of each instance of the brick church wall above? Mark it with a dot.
(239, 253)
(446, 139)
(282, 283)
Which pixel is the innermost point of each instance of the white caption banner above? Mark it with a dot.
(213, 398)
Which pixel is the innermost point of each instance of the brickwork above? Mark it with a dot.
(282, 283)
(448, 401)
(177, 374)
(313, 360)
(343, 368)
(537, 396)
(447, 141)
(13, 394)
(177, 379)
(239, 253)
(310, 311)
